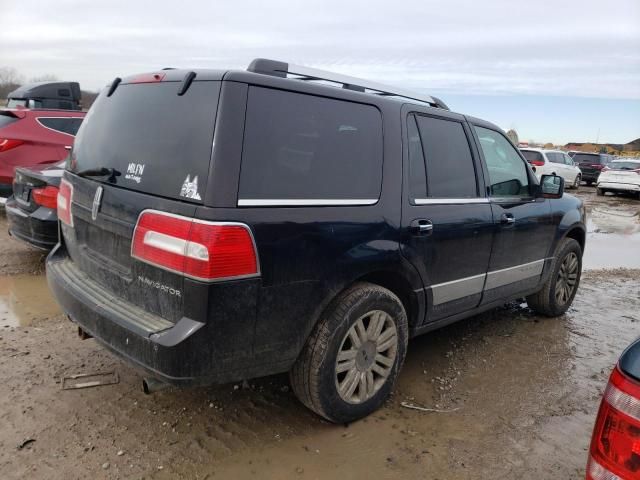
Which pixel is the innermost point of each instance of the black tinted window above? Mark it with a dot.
(301, 147)
(532, 156)
(450, 171)
(6, 120)
(69, 125)
(507, 172)
(417, 176)
(158, 141)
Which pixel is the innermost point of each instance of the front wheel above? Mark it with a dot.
(560, 289)
(350, 362)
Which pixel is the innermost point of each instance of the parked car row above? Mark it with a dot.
(553, 162)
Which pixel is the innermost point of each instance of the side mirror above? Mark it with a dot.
(551, 186)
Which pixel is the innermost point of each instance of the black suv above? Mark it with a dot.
(590, 164)
(223, 225)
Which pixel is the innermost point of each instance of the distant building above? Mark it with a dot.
(513, 136)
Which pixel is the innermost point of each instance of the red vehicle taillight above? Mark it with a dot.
(615, 444)
(537, 163)
(202, 250)
(47, 196)
(9, 143)
(65, 197)
(597, 166)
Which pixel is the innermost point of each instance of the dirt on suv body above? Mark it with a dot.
(223, 225)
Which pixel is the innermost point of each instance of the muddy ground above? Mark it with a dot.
(518, 393)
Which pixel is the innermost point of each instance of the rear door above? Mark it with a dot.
(446, 218)
(524, 227)
(157, 146)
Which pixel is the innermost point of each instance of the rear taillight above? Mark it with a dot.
(615, 444)
(597, 166)
(202, 250)
(65, 197)
(537, 163)
(47, 196)
(9, 143)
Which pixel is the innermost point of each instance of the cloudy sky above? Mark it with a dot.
(556, 70)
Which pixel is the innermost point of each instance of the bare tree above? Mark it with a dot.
(47, 77)
(10, 79)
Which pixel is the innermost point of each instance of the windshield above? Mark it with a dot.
(155, 140)
(624, 165)
(16, 102)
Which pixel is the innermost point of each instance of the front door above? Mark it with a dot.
(446, 219)
(524, 226)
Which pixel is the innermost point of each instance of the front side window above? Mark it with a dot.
(507, 171)
(307, 150)
(450, 170)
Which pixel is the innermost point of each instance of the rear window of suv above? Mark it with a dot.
(158, 142)
(532, 156)
(306, 150)
(587, 158)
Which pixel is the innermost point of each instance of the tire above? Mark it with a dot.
(589, 182)
(576, 182)
(599, 192)
(558, 292)
(315, 378)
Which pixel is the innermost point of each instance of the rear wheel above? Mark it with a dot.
(576, 182)
(351, 361)
(600, 192)
(559, 290)
(589, 182)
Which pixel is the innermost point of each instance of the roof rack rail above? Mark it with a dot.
(282, 69)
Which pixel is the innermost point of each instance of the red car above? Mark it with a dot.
(33, 137)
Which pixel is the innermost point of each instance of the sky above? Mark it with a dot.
(555, 70)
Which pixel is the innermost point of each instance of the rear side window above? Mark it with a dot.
(450, 170)
(7, 120)
(68, 125)
(532, 156)
(306, 150)
(555, 157)
(157, 141)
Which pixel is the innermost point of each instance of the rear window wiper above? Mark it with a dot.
(99, 172)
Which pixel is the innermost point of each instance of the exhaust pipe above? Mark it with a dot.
(151, 385)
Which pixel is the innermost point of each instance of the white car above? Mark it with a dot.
(620, 176)
(553, 162)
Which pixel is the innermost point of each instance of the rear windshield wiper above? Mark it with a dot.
(99, 172)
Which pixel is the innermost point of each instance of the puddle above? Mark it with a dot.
(25, 299)
(613, 234)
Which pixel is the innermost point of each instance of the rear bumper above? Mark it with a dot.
(589, 176)
(39, 228)
(185, 353)
(623, 187)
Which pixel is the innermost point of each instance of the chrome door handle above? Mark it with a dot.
(421, 226)
(507, 219)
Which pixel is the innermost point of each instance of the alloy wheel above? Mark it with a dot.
(366, 357)
(567, 279)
